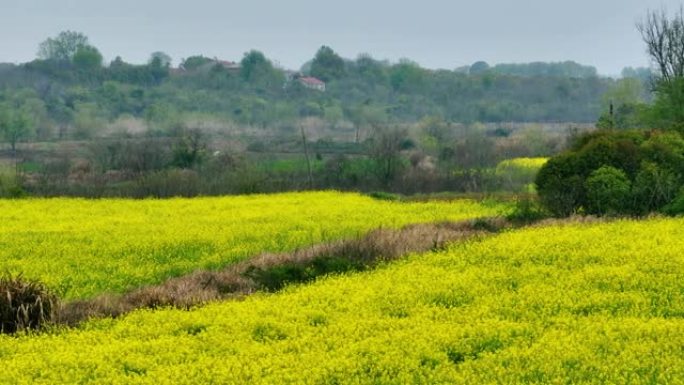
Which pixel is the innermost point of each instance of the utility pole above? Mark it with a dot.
(612, 115)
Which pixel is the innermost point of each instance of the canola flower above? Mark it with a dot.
(520, 168)
(599, 303)
(520, 171)
(523, 163)
(82, 248)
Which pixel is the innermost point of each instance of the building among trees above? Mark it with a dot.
(312, 83)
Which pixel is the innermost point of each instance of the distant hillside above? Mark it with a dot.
(75, 96)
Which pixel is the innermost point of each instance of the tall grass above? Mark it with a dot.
(24, 304)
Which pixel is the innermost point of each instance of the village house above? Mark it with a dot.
(312, 83)
(229, 65)
(309, 82)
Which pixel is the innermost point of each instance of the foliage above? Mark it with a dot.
(624, 105)
(87, 58)
(567, 69)
(608, 191)
(652, 163)
(160, 59)
(664, 39)
(195, 62)
(644, 74)
(15, 125)
(364, 91)
(384, 196)
(327, 65)
(190, 150)
(668, 109)
(158, 67)
(275, 278)
(654, 187)
(10, 186)
(87, 116)
(63, 47)
(385, 150)
(252, 101)
(560, 188)
(479, 68)
(527, 210)
(257, 70)
(407, 77)
(676, 207)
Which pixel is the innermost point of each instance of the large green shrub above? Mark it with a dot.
(560, 189)
(608, 191)
(666, 150)
(614, 172)
(654, 187)
(676, 207)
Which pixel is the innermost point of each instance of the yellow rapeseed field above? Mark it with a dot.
(81, 248)
(524, 163)
(599, 303)
(520, 172)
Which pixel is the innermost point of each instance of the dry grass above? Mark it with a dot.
(259, 273)
(24, 304)
(575, 219)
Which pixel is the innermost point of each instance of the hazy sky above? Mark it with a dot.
(434, 33)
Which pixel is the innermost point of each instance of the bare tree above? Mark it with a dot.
(664, 38)
(386, 151)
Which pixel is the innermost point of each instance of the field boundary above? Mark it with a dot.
(272, 271)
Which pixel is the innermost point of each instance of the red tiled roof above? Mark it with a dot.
(312, 81)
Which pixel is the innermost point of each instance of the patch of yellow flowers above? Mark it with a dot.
(523, 163)
(81, 248)
(598, 303)
(520, 172)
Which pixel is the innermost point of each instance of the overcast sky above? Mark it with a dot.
(434, 33)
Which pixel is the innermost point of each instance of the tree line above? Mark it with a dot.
(151, 129)
(635, 164)
(69, 92)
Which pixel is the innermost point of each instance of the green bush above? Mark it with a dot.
(10, 187)
(560, 189)
(527, 210)
(608, 191)
(385, 196)
(274, 278)
(613, 172)
(676, 207)
(653, 188)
